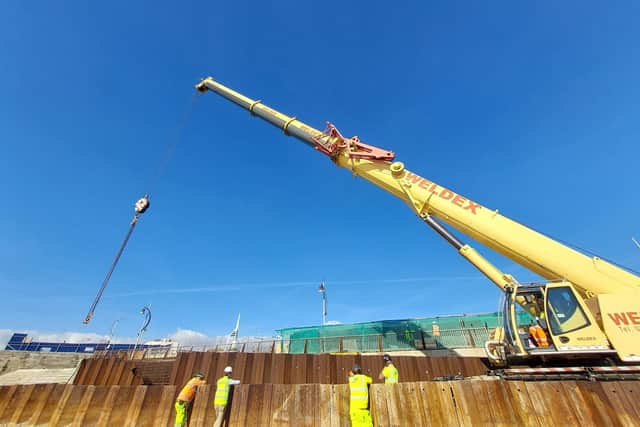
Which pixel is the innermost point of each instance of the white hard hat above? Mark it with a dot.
(228, 369)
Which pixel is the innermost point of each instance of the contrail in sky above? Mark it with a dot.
(249, 286)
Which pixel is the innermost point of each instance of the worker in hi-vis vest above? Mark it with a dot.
(222, 394)
(389, 372)
(538, 334)
(359, 398)
(185, 398)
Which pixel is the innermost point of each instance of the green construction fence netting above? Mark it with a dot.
(440, 332)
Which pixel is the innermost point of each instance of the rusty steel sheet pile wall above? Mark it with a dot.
(106, 371)
(443, 403)
(63, 405)
(118, 371)
(312, 405)
(484, 403)
(267, 368)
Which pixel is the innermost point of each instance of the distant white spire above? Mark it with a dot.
(232, 339)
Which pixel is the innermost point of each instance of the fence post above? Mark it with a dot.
(380, 347)
(421, 337)
(471, 340)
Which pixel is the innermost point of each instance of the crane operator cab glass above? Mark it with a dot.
(551, 318)
(566, 315)
(531, 328)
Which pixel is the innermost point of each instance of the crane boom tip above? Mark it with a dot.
(202, 87)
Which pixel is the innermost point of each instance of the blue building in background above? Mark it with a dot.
(22, 342)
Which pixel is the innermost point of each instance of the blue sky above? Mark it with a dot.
(532, 109)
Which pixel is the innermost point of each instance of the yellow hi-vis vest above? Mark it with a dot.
(222, 391)
(359, 391)
(390, 374)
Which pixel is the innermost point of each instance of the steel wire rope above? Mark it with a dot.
(160, 170)
(174, 140)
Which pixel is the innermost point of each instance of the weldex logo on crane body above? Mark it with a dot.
(442, 192)
(628, 321)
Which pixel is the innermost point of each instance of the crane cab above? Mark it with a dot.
(547, 320)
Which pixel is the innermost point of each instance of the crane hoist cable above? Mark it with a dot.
(141, 207)
(143, 203)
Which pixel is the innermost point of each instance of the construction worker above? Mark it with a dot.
(542, 320)
(389, 373)
(538, 334)
(222, 394)
(359, 398)
(185, 398)
(539, 312)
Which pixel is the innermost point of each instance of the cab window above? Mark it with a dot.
(564, 311)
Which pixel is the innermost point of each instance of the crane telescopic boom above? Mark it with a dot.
(536, 252)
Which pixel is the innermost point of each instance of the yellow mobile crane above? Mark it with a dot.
(591, 307)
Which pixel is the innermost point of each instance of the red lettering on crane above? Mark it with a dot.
(413, 178)
(618, 318)
(634, 316)
(472, 207)
(445, 194)
(459, 201)
(424, 184)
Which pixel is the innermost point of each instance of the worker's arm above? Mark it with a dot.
(381, 376)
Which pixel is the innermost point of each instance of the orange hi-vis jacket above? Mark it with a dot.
(539, 335)
(189, 390)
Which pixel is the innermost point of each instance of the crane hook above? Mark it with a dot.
(142, 204)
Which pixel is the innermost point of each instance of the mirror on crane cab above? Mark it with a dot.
(550, 318)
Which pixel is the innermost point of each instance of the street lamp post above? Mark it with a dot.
(146, 312)
(111, 333)
(323, 290)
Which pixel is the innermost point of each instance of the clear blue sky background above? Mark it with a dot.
(529, 108)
